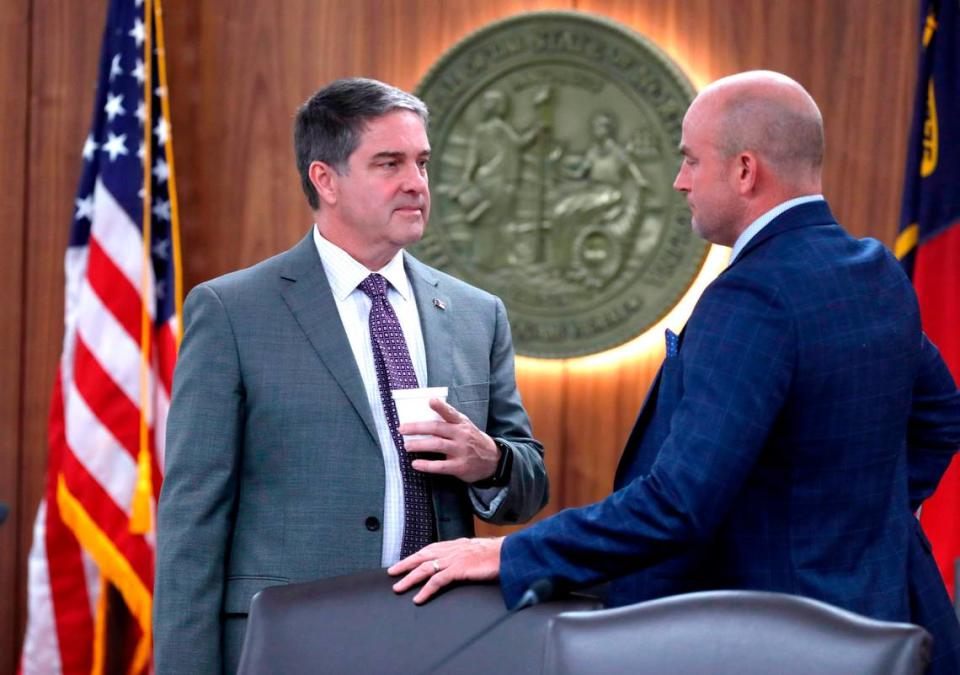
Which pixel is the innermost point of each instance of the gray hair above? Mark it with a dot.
(790, 138)
(329, 125)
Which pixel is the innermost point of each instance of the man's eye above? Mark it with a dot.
(423, 163)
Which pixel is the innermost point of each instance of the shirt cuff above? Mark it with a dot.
(486, 501)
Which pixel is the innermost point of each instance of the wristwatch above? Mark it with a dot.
(501, 476)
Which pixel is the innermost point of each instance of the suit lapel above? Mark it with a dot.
(311, 301)
(804, 215)
(436, 321)
(643, 420)
(633, 441)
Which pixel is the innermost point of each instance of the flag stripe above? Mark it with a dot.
(56, 558)
(114, 410)
(71, 598)
(937, 278)
(98, 451)
(167, 353)
(118, 235)
(160, 435)
(41, 648)
(114, 290)
(117, 353)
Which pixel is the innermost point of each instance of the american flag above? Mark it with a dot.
(94, 528)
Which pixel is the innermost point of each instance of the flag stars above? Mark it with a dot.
(162, 131)
(161, 171)
(84, 208)
(161, 209)
(114, 106)
(141, 153)
(115, 68)
(141, 113)
(161, 249)
(137, 71)
(89, 147)
(137, 32)
(115, 145)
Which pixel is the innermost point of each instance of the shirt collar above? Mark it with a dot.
(345, 273)
(765, 220)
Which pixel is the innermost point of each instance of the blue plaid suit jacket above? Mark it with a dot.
(784, 447)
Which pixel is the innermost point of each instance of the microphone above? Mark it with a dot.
(539, 591)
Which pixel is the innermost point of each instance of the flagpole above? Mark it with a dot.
(172, 182)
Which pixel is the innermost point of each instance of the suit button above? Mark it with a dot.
(372, 524)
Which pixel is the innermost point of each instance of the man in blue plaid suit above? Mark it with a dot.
(795, 426)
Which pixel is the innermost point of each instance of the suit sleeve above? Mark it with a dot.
(194, 514)
(933, 432)
(528, 489)
(738, 356)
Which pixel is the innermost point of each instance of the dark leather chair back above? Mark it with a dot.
(357, 624)
(733, 632)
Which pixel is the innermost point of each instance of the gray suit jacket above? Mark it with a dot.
(273, 471)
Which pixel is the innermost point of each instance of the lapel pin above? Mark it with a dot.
(438, 303)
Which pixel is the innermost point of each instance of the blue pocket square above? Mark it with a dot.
(673, 343)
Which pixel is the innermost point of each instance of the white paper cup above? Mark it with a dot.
(413, 405)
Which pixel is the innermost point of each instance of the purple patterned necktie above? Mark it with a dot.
(395, 371)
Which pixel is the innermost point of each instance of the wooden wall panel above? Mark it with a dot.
(250, 65)
(857, 58)
(544, 392)
(63, 69)
(239, 69)
(14, 62)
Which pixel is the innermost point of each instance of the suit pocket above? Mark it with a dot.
(240, 591)
(472, 401)
(469, 393)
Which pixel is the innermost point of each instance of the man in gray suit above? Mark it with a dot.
(284, 462)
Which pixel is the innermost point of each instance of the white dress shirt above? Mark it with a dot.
(765, 219)
(345, 274)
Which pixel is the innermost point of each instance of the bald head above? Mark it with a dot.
(750, 142)
(772, 115)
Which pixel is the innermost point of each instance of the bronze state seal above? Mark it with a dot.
(555, 138)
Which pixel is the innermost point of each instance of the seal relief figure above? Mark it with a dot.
(555, 141)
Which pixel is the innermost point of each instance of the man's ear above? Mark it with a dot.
(325, 181)
(746, 171)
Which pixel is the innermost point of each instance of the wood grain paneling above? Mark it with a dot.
(237, 72)
(14, 63)
(65, 47)
(857, 58)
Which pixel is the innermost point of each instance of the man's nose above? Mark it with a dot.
(414, 180)
(681, 183)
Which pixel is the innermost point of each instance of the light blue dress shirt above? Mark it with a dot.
(765, 219)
